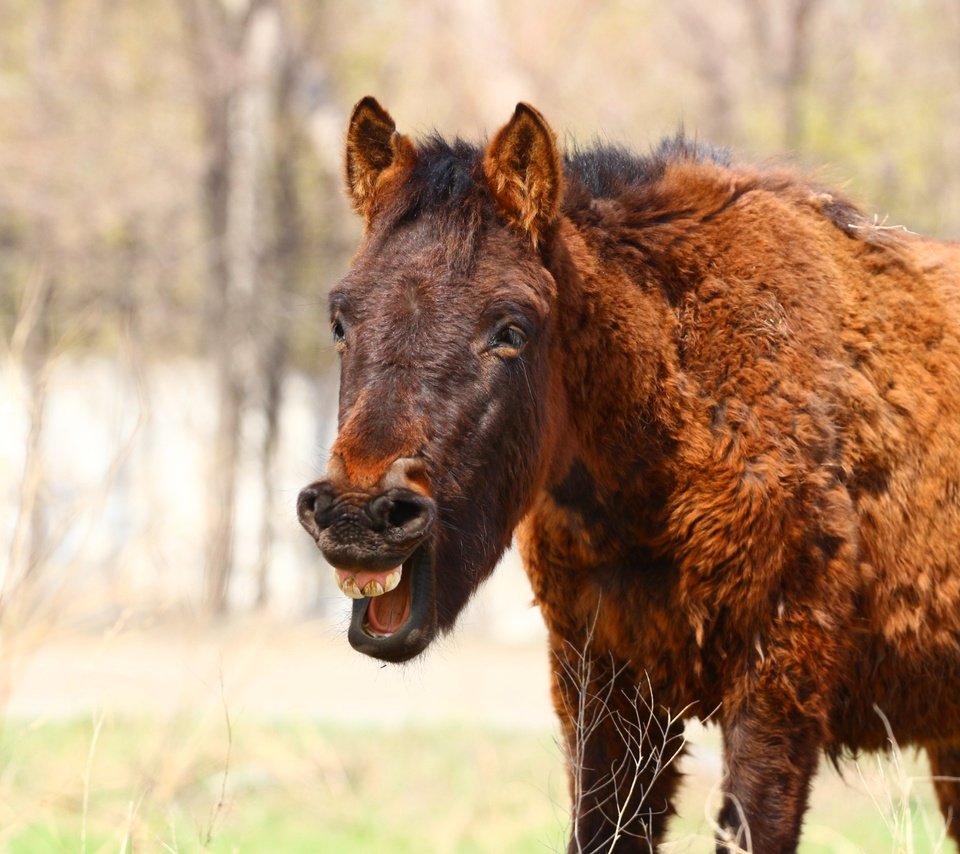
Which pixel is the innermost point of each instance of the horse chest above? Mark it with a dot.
(609, 597)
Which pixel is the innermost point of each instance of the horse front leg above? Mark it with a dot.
(770, 761)
(945, 772)
(621, 753)
(774, 723)
(775, 707)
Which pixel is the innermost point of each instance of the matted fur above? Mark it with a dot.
(728, 445)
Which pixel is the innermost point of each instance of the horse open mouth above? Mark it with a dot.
(393, 618)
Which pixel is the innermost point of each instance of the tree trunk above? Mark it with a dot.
(287, 258)
(235, 53)
(32, 338)
(788, 75)
(31, 348)
(795, 74)
(709, 56)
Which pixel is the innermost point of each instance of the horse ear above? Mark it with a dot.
(523, 168)
(374, 149)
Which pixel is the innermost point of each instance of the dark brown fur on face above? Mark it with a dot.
(725, 435)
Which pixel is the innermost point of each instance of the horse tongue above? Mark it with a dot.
(388, 612)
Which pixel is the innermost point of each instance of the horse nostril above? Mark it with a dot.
(407, 514)
(307, 504)
(312, 502)
(403, 513)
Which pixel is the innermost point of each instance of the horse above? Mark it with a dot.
(717, 408)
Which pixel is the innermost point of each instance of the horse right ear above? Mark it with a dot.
(523, 169)
(375, 151)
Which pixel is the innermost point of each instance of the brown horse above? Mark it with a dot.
(721, 412)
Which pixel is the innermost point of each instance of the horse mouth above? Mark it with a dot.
(399, 623)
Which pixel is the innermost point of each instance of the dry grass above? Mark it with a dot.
(651, 738)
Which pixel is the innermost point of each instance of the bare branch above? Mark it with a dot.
(651, 739)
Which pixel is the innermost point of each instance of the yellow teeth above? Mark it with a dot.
(373, 588)
(349, 587)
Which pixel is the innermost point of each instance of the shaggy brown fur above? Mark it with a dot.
(720, 411)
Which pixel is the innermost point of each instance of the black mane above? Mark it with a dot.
(447, 183)
(446, 173)
(607, 170)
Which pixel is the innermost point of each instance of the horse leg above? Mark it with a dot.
(945, 771)
(621, 756)
(770, 761)
(774, 722)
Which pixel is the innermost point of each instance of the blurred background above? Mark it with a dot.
(173, 668)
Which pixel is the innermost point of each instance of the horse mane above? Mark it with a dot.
(446, 173)
(447, 185)
(606, 170)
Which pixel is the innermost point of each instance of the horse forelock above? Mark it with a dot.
(445, 188)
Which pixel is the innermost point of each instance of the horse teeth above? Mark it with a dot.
(373, 588)
(351, 589)
(391, 581)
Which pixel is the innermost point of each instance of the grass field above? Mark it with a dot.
(190, 784)
(261, 735)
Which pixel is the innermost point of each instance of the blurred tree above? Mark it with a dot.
(708, 50)
(251, 62)
(236, 54)
(286, 263)
(32, 338)
(782, 41)
(136, 222)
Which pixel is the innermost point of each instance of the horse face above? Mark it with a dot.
(444, 402)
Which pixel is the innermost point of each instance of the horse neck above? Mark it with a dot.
(616, 363)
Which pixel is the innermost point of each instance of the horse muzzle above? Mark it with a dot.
(379, 543)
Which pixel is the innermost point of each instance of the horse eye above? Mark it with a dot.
(508, 338)
(339, 333)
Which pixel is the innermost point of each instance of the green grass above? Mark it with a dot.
(286, 787)
(190, 785)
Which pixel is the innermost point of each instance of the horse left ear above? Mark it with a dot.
(374, 151)
(523, 169)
